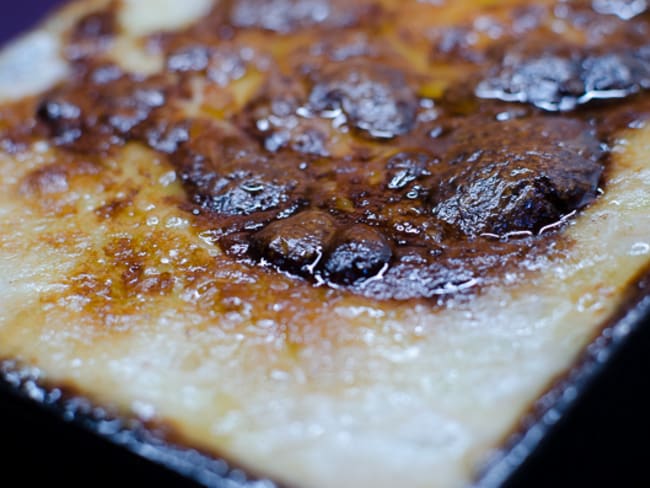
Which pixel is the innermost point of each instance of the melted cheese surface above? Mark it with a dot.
(108, 286)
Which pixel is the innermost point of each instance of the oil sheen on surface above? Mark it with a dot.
(349, 146)
(310, 233)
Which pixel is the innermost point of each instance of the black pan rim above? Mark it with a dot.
(556, 405)
(201, 469)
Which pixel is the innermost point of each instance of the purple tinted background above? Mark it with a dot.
(19, 15)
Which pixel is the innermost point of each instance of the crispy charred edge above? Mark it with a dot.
(546, 413)
(155, 441)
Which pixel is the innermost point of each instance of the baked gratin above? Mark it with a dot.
(337, 243)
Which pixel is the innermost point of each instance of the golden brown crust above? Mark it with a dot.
(344, 156)
(339, 123)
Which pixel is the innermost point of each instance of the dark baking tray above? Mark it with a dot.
(591, 429)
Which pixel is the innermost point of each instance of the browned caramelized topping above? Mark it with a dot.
(375, 99)
(103, 112)
(519, 175)
(359, 253)
(297, 243)
(95, 27)
(555, 81)
(394, 150)
(230, 176)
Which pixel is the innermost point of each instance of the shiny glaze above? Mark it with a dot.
(112, 284)
(285, 108)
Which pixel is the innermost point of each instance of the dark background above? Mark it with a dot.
(605, 441)
(17, 15)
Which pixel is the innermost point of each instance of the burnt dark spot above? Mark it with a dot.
(95, 26)
(244, 193)
(561, 82)
(107, 112)
(358, 253)
(615, 75)
(62, 118)
(296, 244)
(406, 167)
(239, 192)
(225, 173)
(548, 82)
(376, 99)
(236, 245)
(277, 118)
(519, 176)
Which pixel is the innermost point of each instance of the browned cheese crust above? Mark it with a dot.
(310, 200)
(347, 161)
